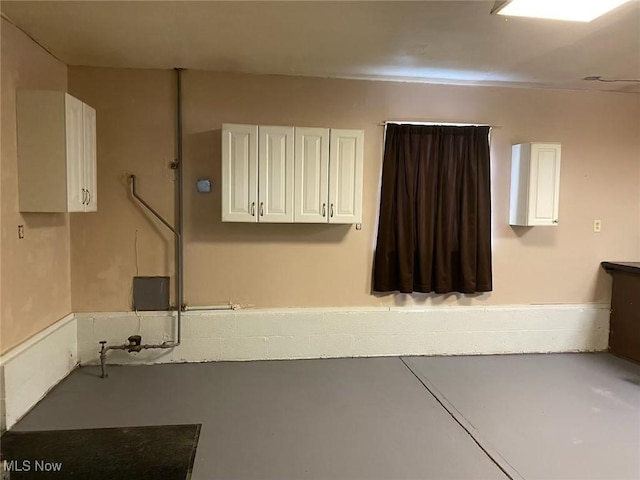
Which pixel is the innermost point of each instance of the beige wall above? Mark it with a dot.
(320, 265)
(35, 272)
(135, 135)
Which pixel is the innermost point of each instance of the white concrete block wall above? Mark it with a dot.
(315, 333)
(291, 346)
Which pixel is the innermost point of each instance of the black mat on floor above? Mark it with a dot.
(160, 452)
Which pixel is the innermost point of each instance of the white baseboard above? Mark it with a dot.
(30, 370)
(348, 332)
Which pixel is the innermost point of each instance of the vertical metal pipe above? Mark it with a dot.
(179, 216)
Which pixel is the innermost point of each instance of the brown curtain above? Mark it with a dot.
(434, 233)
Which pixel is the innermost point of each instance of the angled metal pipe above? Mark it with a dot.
(132, 180)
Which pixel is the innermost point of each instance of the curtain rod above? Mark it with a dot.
(446, 124)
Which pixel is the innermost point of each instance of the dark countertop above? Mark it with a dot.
(632, 267)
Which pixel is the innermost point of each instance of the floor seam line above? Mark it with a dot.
(510, 471)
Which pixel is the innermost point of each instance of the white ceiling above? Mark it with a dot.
(429, 41)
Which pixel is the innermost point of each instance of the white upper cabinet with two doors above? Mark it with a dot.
(535, 184)
(56, 153)
(291, 174)
(328, 175)
(257, 173)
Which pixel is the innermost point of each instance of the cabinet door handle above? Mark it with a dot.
(84, 196)
(262, 209)
(253, 209)
(324, 210)
(331, 210)
(88, 197)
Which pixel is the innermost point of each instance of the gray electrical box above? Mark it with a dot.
(150, 293)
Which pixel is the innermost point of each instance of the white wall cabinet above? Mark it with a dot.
(291, 174)
(57, 169)
(257, 173)
(535, 184)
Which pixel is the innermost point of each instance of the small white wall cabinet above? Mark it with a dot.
(535, 184)
(56, 153)
(291, 174)
(257, 174)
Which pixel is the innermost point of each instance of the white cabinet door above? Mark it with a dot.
(345, 176)
(311, 175)
(76, 193)
(239, 173)
(544, 184)
(275, 174)
(90, 158)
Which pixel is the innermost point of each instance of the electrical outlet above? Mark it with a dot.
(20, 232)
(358, 226)
(597, 226)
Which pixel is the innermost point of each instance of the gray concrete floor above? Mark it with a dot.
(539, 416)
(569, 416)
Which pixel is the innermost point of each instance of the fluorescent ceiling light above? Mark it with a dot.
(573, 10)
